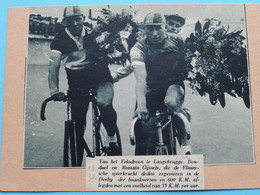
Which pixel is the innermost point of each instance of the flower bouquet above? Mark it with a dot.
(112, 36)
(217, 62)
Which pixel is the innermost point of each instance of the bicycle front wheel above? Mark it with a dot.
(69, 150)
(170, 135)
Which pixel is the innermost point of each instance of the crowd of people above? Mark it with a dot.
(158, 65)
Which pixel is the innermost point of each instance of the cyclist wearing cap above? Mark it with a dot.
(173, 26)
(72, 47)
(159, 71)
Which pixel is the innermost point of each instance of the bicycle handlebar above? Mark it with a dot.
(158, 113)
(44, 107)
(44, 104)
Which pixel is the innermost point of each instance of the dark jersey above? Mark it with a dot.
(75, 54)
(163, 63)
(79, 59)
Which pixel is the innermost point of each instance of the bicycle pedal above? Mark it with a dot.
(104, 149)
(113, 149)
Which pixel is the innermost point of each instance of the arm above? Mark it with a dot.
(123, 72)
(53, 76)
(141, 89)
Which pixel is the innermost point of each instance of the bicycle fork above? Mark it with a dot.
(160, 149)
(70, 137)
(95, 127)
(94, 122)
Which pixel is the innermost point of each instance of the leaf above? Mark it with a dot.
(198, 28)
(106, 11)
(232, 94)
(246, 96)
(200, 91)
(238, 90)
(212, 99)
(192, 37)
(206, 26)
(90, 14)
(222, 100)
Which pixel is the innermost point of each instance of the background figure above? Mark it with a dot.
(174, 23)
(72, 46)
(159, 69)
(173, 27)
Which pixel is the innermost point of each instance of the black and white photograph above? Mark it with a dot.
(131, 80)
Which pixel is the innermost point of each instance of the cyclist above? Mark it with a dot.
(159, 70)
(71, 46)
(173, 26)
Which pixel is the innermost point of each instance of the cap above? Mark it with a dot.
(72, 11)
(154, 19)
(175, 17)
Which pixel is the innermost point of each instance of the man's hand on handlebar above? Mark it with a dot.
(142, 113)
(59, 96)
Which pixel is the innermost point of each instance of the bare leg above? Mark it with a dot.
(105, 95)
(173, 100)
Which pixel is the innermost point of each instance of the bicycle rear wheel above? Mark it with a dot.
(102, 146)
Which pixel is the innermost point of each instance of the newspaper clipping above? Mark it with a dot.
(144, 173)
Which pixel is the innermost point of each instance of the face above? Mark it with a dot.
(173, 26)
(155, 34)
(75, 24)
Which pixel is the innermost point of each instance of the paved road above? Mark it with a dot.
(223, 135)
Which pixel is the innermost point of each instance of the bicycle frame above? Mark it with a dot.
(69, 135)
(161, 126)
(70, 132)
(161, 148)
(95, 115)
(70, 141)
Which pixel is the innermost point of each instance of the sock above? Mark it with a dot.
(111, 138)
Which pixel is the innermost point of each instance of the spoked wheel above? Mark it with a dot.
(103, 148)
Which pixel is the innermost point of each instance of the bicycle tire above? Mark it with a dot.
(69, 150)
(170, 136)
(173, 143)
(102, 148)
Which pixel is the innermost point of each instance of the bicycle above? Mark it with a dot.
(99, 145)
(166, 131)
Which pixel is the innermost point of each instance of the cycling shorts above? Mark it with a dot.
(88, 78)
(155, 97)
